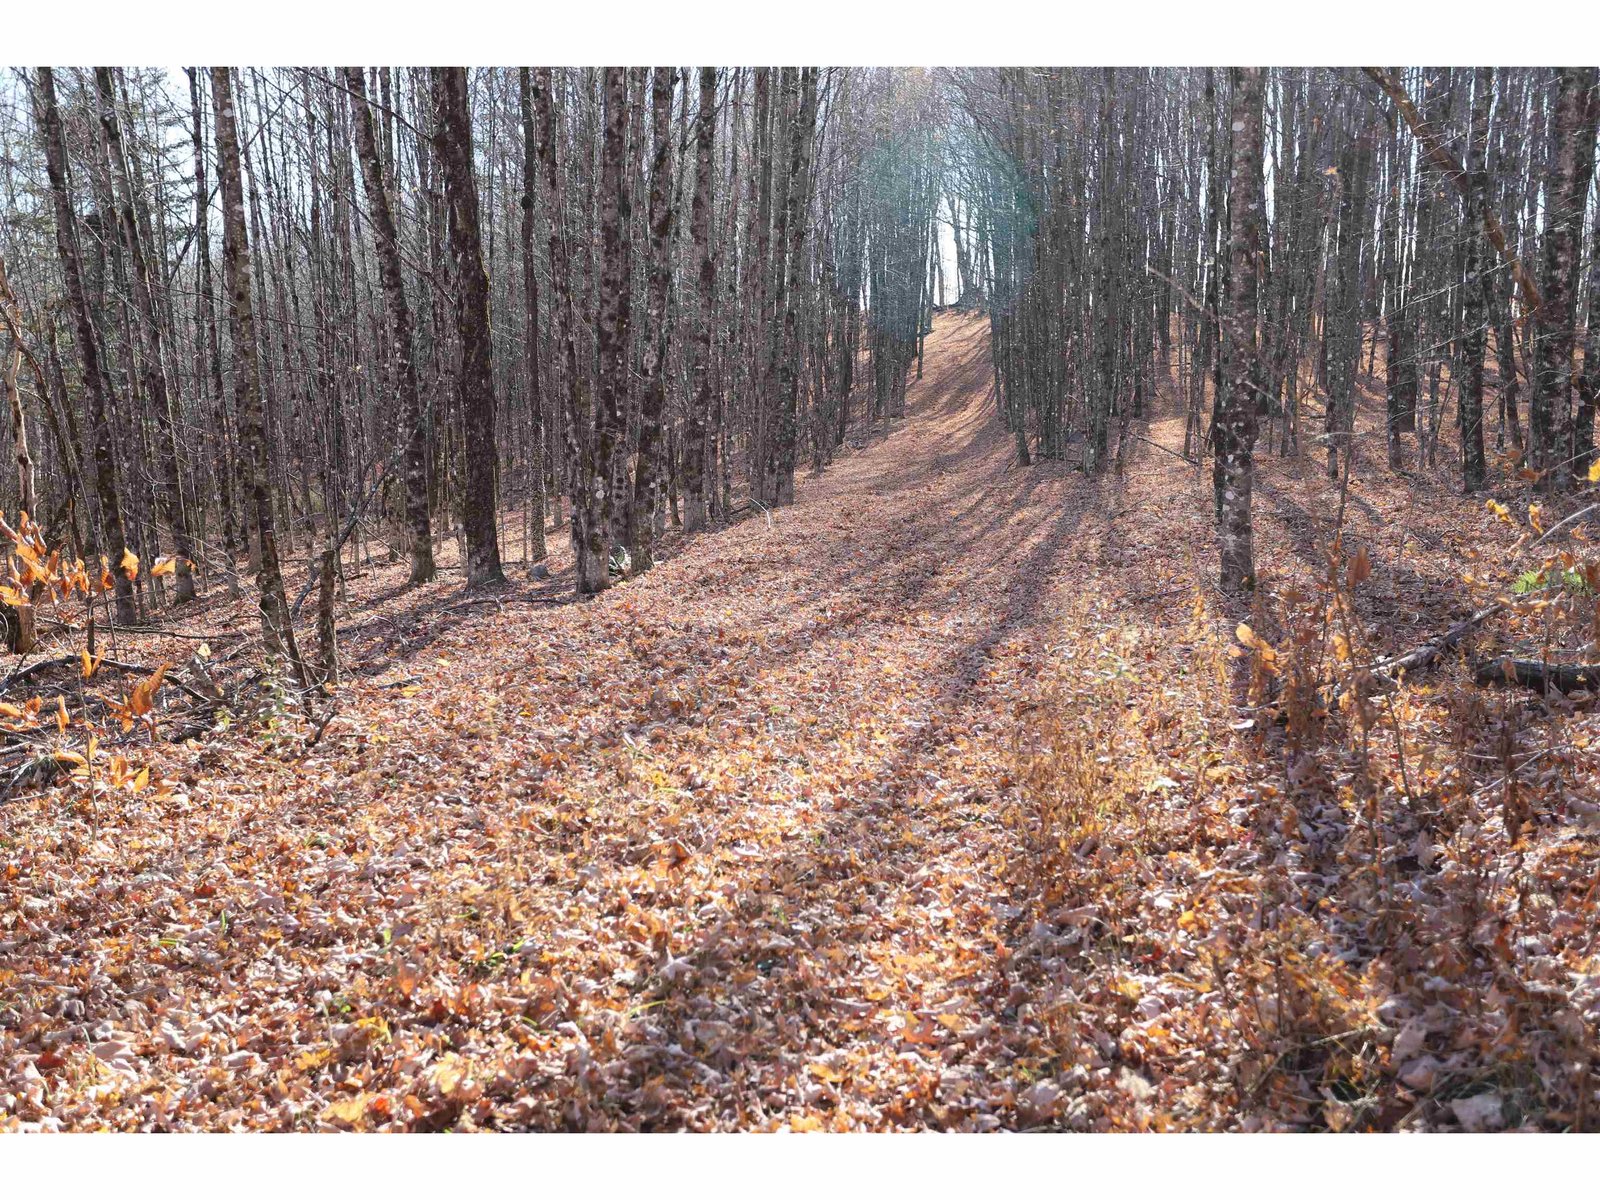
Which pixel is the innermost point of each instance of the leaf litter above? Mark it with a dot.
(950, 798)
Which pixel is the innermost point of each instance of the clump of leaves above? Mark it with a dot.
(35, 574)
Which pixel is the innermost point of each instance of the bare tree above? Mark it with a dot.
(95, 384)
(475, 376)
(276, 627)
(386, 240)
(657, 332)
(530, 289)
(697, 484)
(1236, 410)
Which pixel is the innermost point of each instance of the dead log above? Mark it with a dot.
(1541, 676)
(1428, 653)
(150, 631)
(36, 772)
(1384, 674)
(22, 674)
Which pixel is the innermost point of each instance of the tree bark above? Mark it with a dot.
(153, 333)
(613, 302)
(1474, 312)
(95, 384)
(653, 396)
(795, 227)
(1572, 133)
(327, 630)
(9, 366)
(587, 529)
(402, 337)
(530, 290)
(697, 487)
(475, 376)
(1236, 423)
(208, 349)
(276, 627)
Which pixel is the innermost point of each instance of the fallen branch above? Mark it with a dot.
(44, 664)
(322, 725)
(501, 601)
(1428, 653)
(1564, 524)
(40, 769)
(1541, 676)
(1433, 145)
(1193, 462)
(138, 669)
(147, 631)
(494, 600)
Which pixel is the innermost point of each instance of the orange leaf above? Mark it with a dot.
(130, 564)
(1360, 567)
(143, 697)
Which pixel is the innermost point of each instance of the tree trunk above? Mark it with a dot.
(1572, 134)
(327, 631)
(152, 331)
(653, 397)
(613, 302)
(475, 375)
(1474, 313)
(276, 628)
(1236, 422)
(697, 485)
(95, 384)
(208, 350)
(587, 530)
(387, 242)
(794, 224)
(9, 366)
(530, 290)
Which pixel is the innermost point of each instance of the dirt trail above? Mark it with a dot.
(724, 847)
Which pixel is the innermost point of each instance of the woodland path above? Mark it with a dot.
(732, 845)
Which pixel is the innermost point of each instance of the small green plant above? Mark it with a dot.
(1569, 580)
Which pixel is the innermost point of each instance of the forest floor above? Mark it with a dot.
(942, 798)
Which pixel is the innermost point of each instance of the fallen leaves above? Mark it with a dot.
(880, 818)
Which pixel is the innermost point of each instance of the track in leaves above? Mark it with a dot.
(749, 842)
